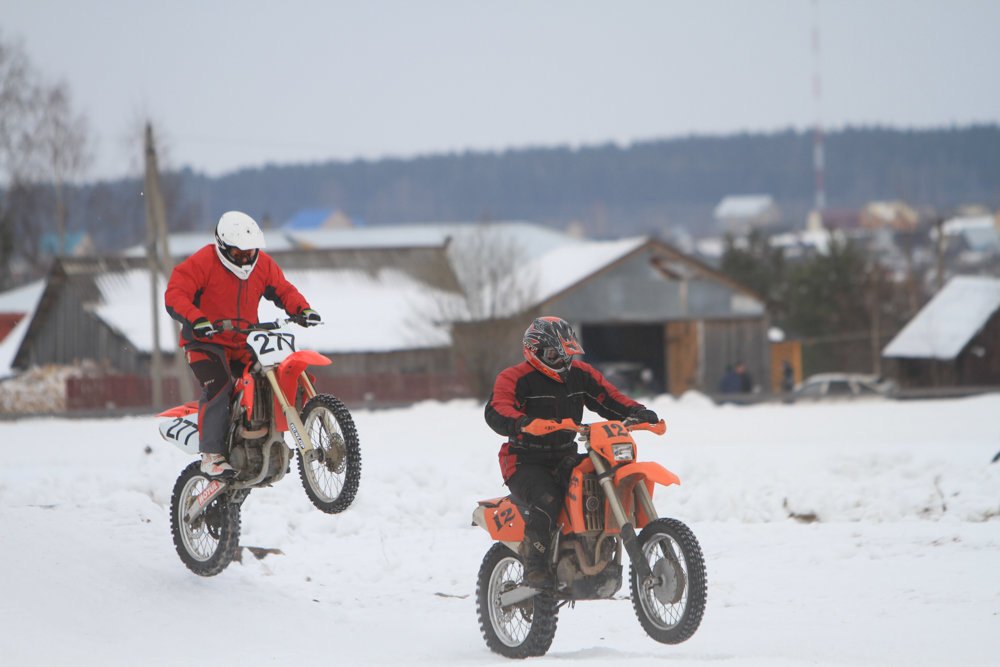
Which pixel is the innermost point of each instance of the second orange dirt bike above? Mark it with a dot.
(275, 411)
(609, 496)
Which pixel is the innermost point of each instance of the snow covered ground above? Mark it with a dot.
(900, 567)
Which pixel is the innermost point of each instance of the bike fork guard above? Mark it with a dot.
(205, 498)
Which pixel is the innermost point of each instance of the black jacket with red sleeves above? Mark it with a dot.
(522, 391)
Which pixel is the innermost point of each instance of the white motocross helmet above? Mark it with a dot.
(238, 241)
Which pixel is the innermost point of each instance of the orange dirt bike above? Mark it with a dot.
(274, 404)
(609, 495)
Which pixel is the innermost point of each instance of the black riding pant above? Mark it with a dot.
(216, 374)
(539, 494)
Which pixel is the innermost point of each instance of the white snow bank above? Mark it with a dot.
(899, 569)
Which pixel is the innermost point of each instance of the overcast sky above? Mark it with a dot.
(231, 84)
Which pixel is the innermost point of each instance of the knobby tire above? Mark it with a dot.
(671, 621)
(535, 619)
(208, 545)
(342, 479)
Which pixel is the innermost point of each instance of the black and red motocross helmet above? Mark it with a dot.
(549, 345)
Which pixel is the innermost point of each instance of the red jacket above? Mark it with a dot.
(201, 286)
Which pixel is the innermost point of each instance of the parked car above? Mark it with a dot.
(845, 385)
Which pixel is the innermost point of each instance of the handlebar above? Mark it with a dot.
(233, 324)
(545, 426)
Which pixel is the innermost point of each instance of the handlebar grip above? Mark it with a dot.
(659, 428)
(544, 426)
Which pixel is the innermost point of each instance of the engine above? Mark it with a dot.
(582, 580)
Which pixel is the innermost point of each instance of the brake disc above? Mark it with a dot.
(670, 581)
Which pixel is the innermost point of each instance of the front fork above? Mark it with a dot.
(606, 479)
(295, 424)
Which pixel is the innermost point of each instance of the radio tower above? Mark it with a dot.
(818, 159)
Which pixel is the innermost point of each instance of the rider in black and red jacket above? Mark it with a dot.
(549, 384)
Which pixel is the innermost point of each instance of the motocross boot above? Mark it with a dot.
(216, 465)
(535, 554)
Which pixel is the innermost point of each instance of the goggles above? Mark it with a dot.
(241, 257)
(552, 357)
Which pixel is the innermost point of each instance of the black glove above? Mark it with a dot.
(203, 328)
(521, 422)
(564, 469)
(310, 317)
(645, 415)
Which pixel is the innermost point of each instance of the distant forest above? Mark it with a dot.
(649, 187)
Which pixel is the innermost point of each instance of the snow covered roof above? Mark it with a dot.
(742, 206)
(364, 312)
(963, 223)
(25, 300)
(945, 325)
(183, 244)
(532, 239)
(561, 268)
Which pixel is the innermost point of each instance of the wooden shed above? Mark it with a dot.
(954, 340)
(650, 317)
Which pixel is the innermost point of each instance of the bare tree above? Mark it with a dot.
(43, 146)
(499, 287)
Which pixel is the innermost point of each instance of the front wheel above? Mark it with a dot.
(670, 605)
(520, 630)
(208, 544)
(331, 472)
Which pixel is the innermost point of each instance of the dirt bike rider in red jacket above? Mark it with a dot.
(549, 384)
(225, 280)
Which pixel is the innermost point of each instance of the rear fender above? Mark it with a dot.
(180, 410)
(500, 518)
(180, 427)
(182, 431)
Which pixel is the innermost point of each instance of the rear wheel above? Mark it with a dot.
(208, 544)
(520, 630)
(671, 604)
(332, 470)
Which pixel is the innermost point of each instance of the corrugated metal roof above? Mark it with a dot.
(948, 322)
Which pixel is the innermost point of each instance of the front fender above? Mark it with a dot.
(292, 366)
(288, 373)
(653, 472)
(647, 473)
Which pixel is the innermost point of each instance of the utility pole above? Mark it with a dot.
(874, 288)
(160, 263)
(939, 226)
(819, 158)
(155, 211)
